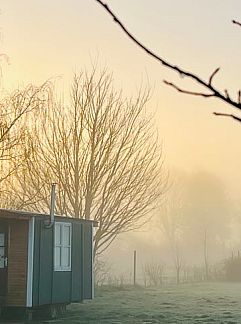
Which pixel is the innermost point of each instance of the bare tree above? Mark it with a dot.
(206, 84)
(15, 114)
(102, 271)
(205, 254)
(104, 155)
(153, 274)
(207, 211)
(171, 222)
(172, 229)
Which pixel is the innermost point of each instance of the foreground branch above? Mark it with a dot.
(236, 23)
(228, 115)
(224, 96)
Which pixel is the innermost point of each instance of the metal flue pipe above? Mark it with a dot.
(52, 203)
(52, 206)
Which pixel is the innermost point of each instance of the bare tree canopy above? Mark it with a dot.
(207, 84)
(15, 113)
(196, 220)
(171, 224)
(104, 155)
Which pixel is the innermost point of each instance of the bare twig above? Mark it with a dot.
(228, 115)
(236, 23)
(206, 84)
(213, 75)
(206, 95)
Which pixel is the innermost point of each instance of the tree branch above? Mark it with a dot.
(193, 93)
(224, 96)
(236, 23)
(228, 115)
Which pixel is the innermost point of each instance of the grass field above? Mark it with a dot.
(197, 303)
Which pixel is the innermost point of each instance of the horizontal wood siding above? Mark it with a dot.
(17, 263)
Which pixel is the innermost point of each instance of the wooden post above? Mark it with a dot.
(134, 277)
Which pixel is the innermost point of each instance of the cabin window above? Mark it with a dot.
(62, 246)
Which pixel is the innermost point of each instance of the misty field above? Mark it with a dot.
(196, 303)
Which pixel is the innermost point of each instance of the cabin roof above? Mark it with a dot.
(22, 214)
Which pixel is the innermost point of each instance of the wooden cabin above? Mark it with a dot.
(44, 264)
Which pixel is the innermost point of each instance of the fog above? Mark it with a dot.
(84, 106)
(202, 152)
(197, 219)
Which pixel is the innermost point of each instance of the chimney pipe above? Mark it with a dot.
(52, 206)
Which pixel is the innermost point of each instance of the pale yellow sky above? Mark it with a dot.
(54, 38)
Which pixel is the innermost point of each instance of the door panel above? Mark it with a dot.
(3, 260)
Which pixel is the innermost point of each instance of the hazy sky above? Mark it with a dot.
(54, 38)
(47, 39)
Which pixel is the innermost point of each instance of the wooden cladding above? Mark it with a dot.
(17, 263)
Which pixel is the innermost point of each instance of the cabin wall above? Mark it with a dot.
(51, 286)
(87, 251)
(17, 263)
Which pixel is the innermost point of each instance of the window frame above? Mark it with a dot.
(62, 245)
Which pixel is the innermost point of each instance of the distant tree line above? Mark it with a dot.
(233, 268)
